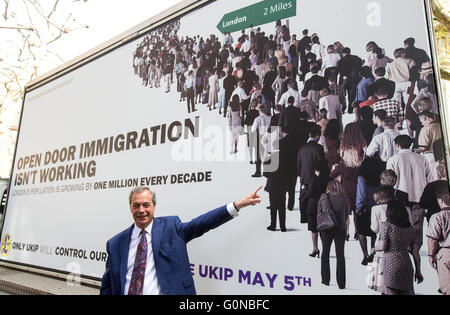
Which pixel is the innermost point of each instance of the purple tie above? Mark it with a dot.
(137, 278)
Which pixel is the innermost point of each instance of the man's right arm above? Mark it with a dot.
(106, 287)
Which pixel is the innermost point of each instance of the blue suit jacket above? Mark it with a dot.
(169, 239)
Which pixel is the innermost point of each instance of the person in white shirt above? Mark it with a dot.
(228, 39)
(330, 61)
(290, 92)
(317, 48)
(240, 92)
(399, 72)
(331, 103)
(259, 128)
(246, 45)
(384, 143)
(189, 88)
(412, 169)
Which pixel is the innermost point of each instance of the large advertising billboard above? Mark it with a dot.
(160, 111)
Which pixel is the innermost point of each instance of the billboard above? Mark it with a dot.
(147, 113)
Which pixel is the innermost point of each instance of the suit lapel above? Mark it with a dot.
(124, 249)
(157, 229)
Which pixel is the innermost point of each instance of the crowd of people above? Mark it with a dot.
(288, 95)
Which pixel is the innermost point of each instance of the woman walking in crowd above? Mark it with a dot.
(221, 91)
(379, 60)
(397, 240)
(334, 200)
(234, 122)
(368, 183)
(332, 142)
(278, 83)
(318, 188)
(353, 148)
(381, 197)
(339, 48)
(322, 119)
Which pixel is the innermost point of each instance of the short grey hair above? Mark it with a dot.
(141, 189)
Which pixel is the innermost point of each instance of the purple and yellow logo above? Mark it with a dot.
(5, 247)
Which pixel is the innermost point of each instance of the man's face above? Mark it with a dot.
(424, 120)
(375, 120)
(142, 209)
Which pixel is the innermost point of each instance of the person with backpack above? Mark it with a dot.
(336, 204)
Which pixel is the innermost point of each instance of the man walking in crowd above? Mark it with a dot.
(399, 72)
(189, 87)
(349, 67)
(392, 107)
(384, 143)
(378, 117)
(289, 123)
(309, 156)
(438, 235)
(428, 136)
(260, 126)
(381, 81)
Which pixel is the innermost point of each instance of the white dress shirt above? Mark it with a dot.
(241, 92)
(290, 92)
(261, 123)
(383, 144)
(151, 285)
(413, 171)
(333, 106)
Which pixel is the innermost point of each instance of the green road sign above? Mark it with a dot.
(257, 14)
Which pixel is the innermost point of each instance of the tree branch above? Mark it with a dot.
(5, 14)
(441, 14)
(53, 10)
(17, 28)
(445, 75)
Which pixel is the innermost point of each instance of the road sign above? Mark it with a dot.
(257, 14)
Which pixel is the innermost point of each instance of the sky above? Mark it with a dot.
(107, 19)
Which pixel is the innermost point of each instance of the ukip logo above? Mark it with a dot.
(5, 247)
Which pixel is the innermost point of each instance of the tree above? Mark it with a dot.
(441, 20)
(29, 31)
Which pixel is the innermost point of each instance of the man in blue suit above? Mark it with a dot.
(151, 257)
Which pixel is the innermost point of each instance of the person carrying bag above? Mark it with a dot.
(326, 219)
(332, 213)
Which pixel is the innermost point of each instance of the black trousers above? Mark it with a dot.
(337, 235)
(278, 206)
(190, 100)
(291, 192)
(350, 87)
(303, 202)
(260, 151)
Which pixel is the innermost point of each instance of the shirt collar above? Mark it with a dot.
(137, 231)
